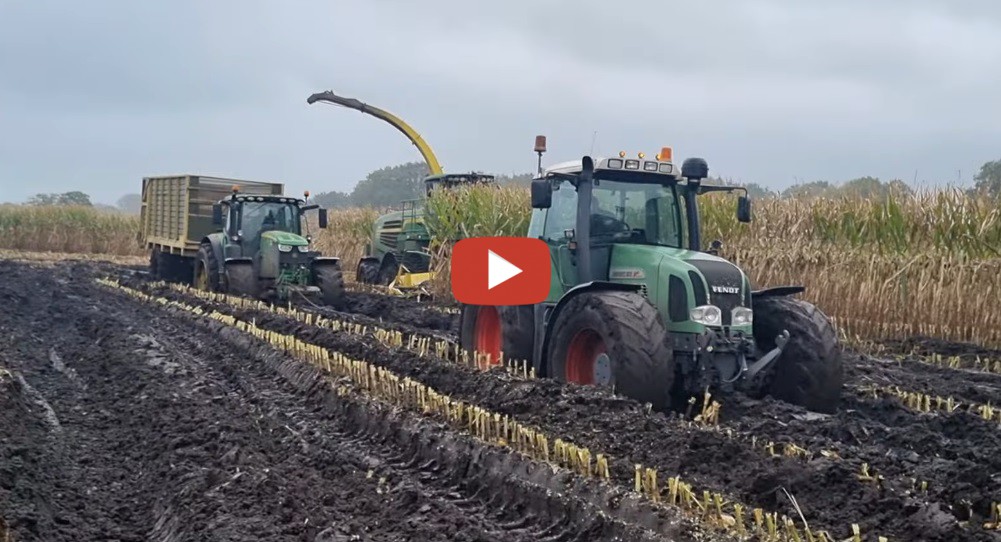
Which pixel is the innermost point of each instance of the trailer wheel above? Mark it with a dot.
(330, 280)
(206, 276)
(242, 280)
(809, 372)
(154, 264)
(496, 330)
(614, 339)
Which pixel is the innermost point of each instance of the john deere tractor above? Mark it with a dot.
(636, 304)
(261, 251)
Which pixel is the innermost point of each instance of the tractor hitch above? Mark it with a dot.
(768, 359)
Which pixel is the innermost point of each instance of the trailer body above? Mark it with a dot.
(176, 213)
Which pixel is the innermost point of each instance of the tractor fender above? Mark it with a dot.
(324, 260)
(545, 324)
(778, 291)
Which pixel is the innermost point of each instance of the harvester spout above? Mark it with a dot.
(351, 103)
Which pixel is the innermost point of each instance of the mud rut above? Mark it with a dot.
(122, 421)
(956, 454)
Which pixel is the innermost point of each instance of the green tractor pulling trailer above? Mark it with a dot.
(241, 237)
(636, 304)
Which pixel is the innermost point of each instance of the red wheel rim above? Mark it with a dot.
(583, 351)
(487, 335)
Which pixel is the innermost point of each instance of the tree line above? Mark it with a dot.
(388, 186)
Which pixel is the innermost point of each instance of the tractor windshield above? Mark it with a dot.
(632, 212)
(621, 212)
(260, 216)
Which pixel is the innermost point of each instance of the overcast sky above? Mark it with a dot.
(94, 95)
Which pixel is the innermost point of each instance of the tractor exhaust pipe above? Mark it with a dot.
(583, 230)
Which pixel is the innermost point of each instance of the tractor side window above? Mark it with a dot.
(562, 214)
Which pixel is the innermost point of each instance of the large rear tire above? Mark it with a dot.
(496, 330)
(330, 280)
(614, 339)
(809, 372)
(242, 280)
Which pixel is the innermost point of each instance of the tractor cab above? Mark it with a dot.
(248, 219)
(452, 180)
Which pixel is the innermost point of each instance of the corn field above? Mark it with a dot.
(926, 264)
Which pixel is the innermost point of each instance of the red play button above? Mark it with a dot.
(500, 271)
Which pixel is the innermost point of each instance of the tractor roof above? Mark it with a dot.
(273, 199)
(656, 169)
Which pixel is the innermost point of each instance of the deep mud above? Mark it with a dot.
(956, 454)
(123, 421)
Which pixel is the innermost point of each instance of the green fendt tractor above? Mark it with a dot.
(250, 242)
(636, 304)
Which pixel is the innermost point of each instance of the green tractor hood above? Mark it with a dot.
(283, 238)
(705, 278)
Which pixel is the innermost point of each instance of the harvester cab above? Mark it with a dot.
(265, 251)
(637, 305)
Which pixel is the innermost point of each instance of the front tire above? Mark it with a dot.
(367, 271)
(388, 270)
(614, 339)
(330, 280)
(809, 373)
(242, 280)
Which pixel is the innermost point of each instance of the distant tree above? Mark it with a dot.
(390, 185)
(863, 187)
(811, 189)
(66, 198)
(523, 179)
(332, 200)
(130, 203)
(756, 191)
(988, 180)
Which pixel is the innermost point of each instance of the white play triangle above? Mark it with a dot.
(499, 270)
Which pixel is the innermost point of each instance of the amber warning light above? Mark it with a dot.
(540, 143)
(665, 154)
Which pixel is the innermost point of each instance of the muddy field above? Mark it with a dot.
(125, 420)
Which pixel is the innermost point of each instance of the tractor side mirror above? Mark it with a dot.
(322, 218)
(744, 209)
(217, 214)
(542, 194)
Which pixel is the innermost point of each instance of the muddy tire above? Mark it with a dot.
(154, 264)
(809, 372)
(330, 280)
(497, 330)
(242, 280)
(613, 339)
(367, 271)
(206, 275)
(388, 270)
